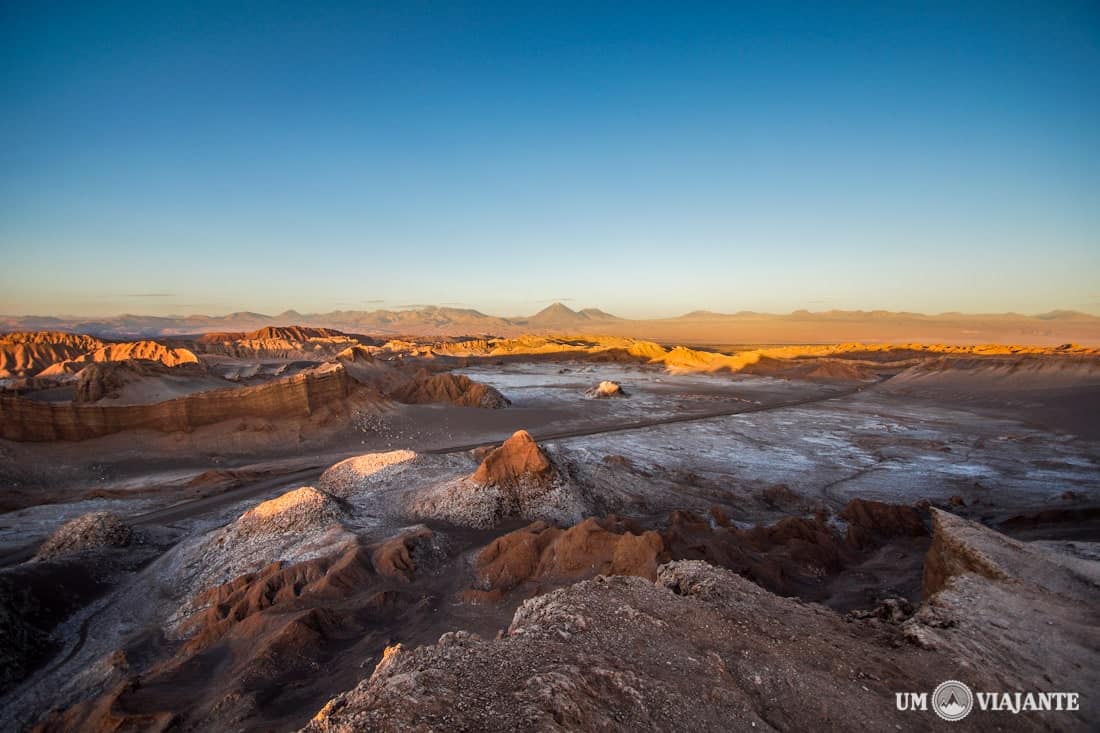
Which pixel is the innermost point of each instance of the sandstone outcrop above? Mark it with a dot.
(454, 389)
(234, 603)
(842, 362)
(517, 461)
(719, 653)
(356, 353)
(869, 521)
(295, 333)
(961, 547)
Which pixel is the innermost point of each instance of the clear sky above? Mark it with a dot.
(171, 158)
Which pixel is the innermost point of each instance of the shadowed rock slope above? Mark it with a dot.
(706, 649)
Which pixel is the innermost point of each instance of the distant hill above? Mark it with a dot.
(558, 315)
(698, 327)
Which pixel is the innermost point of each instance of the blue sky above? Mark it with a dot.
(647, 159)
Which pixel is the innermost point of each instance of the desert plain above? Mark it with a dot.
(448, 521)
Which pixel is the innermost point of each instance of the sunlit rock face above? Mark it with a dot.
(518, 460)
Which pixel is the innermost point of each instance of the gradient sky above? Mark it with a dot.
(646, 159)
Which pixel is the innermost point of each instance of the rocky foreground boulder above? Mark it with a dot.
(706, 649)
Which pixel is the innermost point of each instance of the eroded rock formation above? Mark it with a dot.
(793, 557)
(25, 354)
(256, 634)
(517, 461)
(515, 480)
(144, 350)
(454, 389)
(720, 653)
(611, 546)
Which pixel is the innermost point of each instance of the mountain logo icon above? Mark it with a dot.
(952, 700)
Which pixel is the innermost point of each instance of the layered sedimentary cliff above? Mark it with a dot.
(296, 396)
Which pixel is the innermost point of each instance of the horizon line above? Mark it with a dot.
(1054, 312)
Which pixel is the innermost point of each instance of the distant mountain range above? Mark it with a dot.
(697, 327)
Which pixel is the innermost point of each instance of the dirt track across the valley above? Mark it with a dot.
(649, 423)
